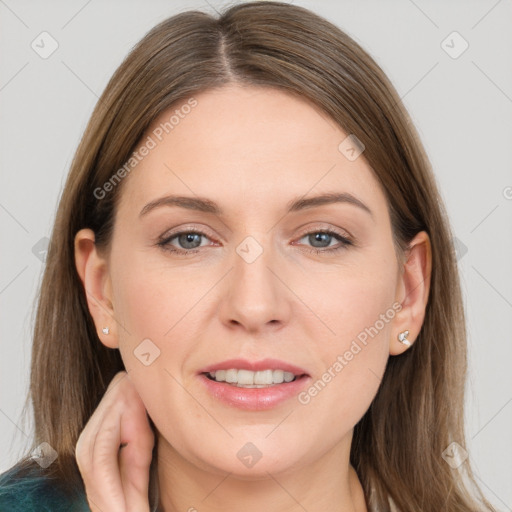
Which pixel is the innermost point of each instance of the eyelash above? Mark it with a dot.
(345, 242)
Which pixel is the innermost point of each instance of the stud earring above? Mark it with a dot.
(105, 330)
(402, 338)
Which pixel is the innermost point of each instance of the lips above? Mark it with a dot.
(254, 397)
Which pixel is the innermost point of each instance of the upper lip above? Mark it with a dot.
(263, 364)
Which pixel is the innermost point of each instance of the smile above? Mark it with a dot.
(250, 379)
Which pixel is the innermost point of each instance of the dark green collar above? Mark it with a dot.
(34, 492)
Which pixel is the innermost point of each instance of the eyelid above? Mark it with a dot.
(326, 227)
(203, 230)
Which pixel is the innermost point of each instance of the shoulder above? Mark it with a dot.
(30, 490)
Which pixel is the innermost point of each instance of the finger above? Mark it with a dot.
(103, 481)
(134, 463)
(96, 453)
(136, 455)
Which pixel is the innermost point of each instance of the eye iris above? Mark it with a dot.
(187, 238)
(319, 237)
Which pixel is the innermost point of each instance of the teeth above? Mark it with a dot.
(219, 374)
(245, 377)
(231, 376)
(262, 377)
(249, 379)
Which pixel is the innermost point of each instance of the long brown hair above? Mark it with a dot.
(418, 411)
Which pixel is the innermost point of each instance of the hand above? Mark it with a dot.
(117, 480)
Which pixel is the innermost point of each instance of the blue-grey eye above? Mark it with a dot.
(321, 238)
(189, 239)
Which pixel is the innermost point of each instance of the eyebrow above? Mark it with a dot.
(203, 204)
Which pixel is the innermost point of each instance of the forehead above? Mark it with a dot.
(251, 144)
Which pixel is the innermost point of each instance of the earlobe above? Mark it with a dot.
(93, 271)
(413, 292)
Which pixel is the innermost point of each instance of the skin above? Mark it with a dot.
(251, 150)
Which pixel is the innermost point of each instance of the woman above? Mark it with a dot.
(258, 369)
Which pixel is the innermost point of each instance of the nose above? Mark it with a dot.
(254, 295)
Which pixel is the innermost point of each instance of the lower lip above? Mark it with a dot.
(254, 399)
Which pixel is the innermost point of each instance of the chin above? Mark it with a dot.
(250, 461)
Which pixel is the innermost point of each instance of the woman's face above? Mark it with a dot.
(314, 287)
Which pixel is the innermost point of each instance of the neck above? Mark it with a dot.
(329, 484)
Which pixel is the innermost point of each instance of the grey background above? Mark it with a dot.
(461, 106)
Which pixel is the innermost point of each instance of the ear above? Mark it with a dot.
(93, 271)
(412, 291)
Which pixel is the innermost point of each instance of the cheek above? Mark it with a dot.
(149, 303)
(153, 314)
(360, 312)
(353, 365)
(154, 343)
